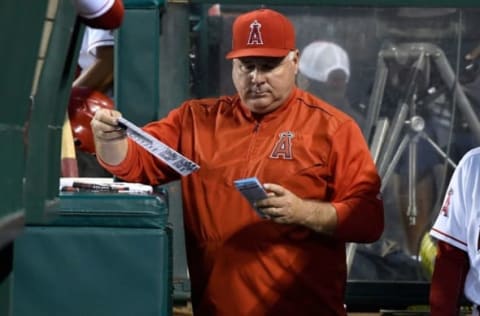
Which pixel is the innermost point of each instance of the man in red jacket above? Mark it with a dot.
(322, 184)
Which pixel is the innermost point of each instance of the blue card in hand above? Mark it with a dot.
(252, 190)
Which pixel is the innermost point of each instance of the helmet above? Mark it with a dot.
(318, 59)
(83, 104)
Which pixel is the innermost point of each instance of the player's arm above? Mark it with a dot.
(99, 76)
(111, 144)
(446, 289)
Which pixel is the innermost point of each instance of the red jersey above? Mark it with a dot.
(241, 264)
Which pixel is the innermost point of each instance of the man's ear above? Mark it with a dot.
(295, 58)
(296, 55)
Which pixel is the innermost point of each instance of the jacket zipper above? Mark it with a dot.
(255, 131)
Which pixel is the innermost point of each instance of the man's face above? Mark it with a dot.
(264, 83)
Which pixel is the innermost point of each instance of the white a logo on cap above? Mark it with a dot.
(255, 37)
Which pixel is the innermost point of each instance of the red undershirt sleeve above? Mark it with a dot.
(446, 289)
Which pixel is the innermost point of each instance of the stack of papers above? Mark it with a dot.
(102, 185)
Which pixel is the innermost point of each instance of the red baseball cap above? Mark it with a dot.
(262, 32)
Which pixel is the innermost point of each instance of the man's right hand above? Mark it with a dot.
(105, 126)
(110, 139)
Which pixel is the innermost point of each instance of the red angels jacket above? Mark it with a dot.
(241, 264)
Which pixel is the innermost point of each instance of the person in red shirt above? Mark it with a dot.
(323, 187)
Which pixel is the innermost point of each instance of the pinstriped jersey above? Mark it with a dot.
(458, 222)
